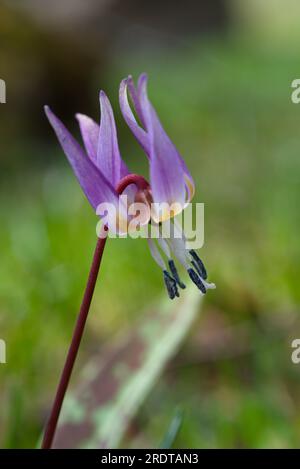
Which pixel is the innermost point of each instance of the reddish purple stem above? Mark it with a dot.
(74, 346)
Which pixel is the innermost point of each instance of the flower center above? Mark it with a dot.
(139, 208)
(143, 194)
(139, 181)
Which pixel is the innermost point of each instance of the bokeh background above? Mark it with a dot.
(220, 76)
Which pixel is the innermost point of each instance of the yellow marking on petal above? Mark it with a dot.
(167, 211)
(125, 225)
(190, 187)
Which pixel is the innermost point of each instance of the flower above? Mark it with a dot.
(105, 178)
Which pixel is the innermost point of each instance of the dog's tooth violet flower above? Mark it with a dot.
(104, 177)
(105, 180)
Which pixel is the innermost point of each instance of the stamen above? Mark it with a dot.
(156, 254)
(199, 272)
(196, 267)
(164, 246)
(177, 247)
(171, 285)
(175, 274)
(197, 280)
(200, 266)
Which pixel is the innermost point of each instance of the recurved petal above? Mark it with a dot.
(94, 184)
(90, 134)
(135, 96)
(139, 133)
(156, 137)
(108, 155)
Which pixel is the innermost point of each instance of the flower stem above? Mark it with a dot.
(74, 346)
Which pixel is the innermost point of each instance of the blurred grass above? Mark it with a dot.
(117, 380)
(227, 107)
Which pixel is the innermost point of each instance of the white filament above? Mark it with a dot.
(164, 246)
(156, 254)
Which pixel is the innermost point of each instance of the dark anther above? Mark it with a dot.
(171, 285)
(197, 280)
(201, 269)
(196, 267)
(175, 274)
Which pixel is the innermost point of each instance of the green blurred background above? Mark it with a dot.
(220, 76)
